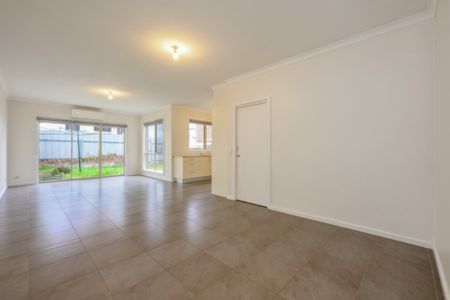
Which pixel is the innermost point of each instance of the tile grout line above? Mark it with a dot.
(87, 252)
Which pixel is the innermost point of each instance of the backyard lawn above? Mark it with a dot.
(45, 172)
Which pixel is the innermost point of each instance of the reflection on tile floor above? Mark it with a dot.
(139, 238)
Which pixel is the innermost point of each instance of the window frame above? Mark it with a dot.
(205, 125)
(148, 151)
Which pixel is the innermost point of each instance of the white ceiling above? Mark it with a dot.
(66, 50)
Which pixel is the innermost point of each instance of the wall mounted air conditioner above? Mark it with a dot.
(88, 115)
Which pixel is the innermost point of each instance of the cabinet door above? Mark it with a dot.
(189, 167)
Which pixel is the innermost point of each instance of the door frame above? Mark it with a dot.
(234, 181)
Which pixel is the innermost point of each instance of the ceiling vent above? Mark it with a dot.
(88, 115)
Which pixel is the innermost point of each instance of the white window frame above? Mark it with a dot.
(205, 125)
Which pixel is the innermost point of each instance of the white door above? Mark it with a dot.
(252, 154)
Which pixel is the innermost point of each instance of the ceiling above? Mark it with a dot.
(70, 51)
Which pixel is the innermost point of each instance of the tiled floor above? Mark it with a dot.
(138, 238)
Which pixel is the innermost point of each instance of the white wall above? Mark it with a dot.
(351, 134)
(3, 141)
(23, 145)
(166, 115)
(442, 222)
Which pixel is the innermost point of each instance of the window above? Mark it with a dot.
(200, 135)
(154, 147)
(70, 150)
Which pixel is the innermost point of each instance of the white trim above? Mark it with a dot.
(3, 192)
(58, 104)
(192, 179)
(373, 231)
(3, 84)
(155, 176)
(266, 100)
(425, 15)
(442, 275)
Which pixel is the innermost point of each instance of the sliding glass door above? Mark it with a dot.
(86, 151)
(78, 150)
(113, 151)
(55, 151)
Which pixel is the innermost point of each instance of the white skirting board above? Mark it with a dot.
(192, 179)
(377, 232)
(155, 176)
(442, 275)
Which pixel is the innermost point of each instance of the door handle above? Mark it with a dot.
(238, 155)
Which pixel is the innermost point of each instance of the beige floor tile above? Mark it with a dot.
(51, 240)
(15, 288)
(40, 251)
(161, 287)
(88, 287)
(91, 229)
(199, 272)
(13, 266)
(235, 286)
(103, 239)
(184, 228)
(324, 277)
(155, 238)
(355, 248)
(55, 254)
(173, 253)
(233, 252)
(390, 277)
(129, 272)
(138, 229)
(51, 275)
(14, 249)
(14, 236)
(232, 227)
(114, 253)
(204, 239)
(268, 270)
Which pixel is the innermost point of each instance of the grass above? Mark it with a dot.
(158, 168)
(85, 172)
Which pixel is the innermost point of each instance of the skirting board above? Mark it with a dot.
(442, 275)
(192, 179)
(155, 176)
(364, 229)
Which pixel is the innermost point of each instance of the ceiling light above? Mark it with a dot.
(175, 53)
(110, 95)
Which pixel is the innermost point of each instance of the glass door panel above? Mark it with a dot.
(85, 151)
(54, 151)
(113, 151)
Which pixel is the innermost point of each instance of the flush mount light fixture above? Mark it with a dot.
(175, 52)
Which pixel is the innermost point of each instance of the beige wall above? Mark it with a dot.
(166, 115)
(23, 145)
(442, 222)
(180, 129)
(3, 141)
(351, 134)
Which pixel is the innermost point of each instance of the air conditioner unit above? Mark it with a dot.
(88, 115)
